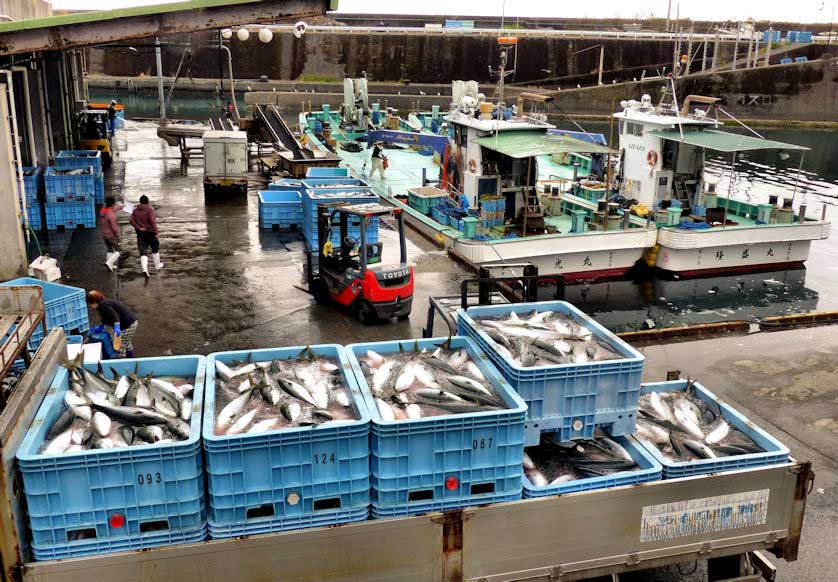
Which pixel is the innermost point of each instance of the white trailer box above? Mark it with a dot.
(225, 161)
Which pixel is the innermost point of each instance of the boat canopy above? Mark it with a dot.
(722, 141)
(525, 144)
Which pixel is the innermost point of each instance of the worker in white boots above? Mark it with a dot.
(110, 232)
(144, 222)
(378, 161)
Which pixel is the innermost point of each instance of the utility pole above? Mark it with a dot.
(690, 49)
(716, 46)
(601, 63)
(668, 14)
(768, 46)
(736, 45)
(756, 51)
(161, 99)
(750, 46)
(704, 56)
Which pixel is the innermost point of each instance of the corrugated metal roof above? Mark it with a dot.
(722, 141)
(525, 144)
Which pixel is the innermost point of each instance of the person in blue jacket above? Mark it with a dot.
(117, 318)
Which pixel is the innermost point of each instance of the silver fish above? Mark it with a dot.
(232, 410)
(101, 423)
(297, 391)
(291, 411)
(242, 423)
(385, 410)
(223, 371)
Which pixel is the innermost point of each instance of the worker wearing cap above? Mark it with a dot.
(378, 159)
(112, 116)
(117, 319)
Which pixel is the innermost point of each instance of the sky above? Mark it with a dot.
(799, 11)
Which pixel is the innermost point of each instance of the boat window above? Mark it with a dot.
(463, 136)
(663, 181)
(623, 127)
(638, 129)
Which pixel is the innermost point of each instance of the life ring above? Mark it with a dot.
(652, 158)
(472, 166)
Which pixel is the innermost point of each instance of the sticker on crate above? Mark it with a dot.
(113, 461)
(695, 517)
(573, 373)
(690, 432)
(286, 437)
(447, 430)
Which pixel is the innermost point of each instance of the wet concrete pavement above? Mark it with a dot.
(229, 285)
(225, 284)
(787, 383)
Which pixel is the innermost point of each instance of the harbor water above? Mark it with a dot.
(644, 300)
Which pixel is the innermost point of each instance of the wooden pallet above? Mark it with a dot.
(21, 312)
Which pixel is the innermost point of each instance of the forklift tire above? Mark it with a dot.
(364, 312)
(321, 292)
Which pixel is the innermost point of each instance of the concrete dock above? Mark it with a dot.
(228, 285)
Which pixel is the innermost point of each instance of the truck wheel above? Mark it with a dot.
(364, 312)
(321, 292)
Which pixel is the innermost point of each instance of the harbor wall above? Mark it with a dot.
(414, 58)
(800, 91)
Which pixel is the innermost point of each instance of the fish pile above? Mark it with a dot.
(411, 385)
(553, 462)
(9, 383)
(122, 411)
(255, 397)
(684, 427)
(73, 172)
(545, 338)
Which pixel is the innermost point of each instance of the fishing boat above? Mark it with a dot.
(663, 151)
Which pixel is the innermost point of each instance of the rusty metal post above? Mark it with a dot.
(452, 546)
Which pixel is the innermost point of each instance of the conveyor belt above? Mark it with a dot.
(221, 124)
(280, 132)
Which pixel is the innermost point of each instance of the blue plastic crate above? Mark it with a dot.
(649, 469)
(99, 189)
(352, 195)
(82, 491)
(67, 188)
(286, 184)
(804, 36)
(329, 519)
(33, 179)
(571, 399)
(65, 307)
(791, 36)
(70, 215)
(775, 451)
(786, 61)
(281, 209)
(257, 472)
(801, 59)
(33, 213)
(413, 460)
(421, 508)
(336, 182)
(327, 172)
(79, 159)
(439, 216)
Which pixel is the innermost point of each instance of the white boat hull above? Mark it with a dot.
(584, 256)
(763, 247)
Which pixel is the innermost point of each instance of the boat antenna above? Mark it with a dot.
(743, 124)
(675, 103)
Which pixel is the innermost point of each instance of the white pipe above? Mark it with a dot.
(45, 109)
(21, 192)
(30, 133)
(232, 82)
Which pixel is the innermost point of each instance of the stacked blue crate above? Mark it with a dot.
(94, 501)
(438, 463)
(33, 180)
(327, 173)
(282, 209)
(352, 195)
(70, 198)
(773, 451)
(569, 399)
(287, 478)
(64, 306)
(71, 159)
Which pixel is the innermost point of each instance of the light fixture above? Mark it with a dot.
(227, 34)
(265, 35)
(243, 34)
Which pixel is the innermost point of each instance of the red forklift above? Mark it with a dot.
(352, 274)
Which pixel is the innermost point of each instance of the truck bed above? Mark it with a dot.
(570, 537)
